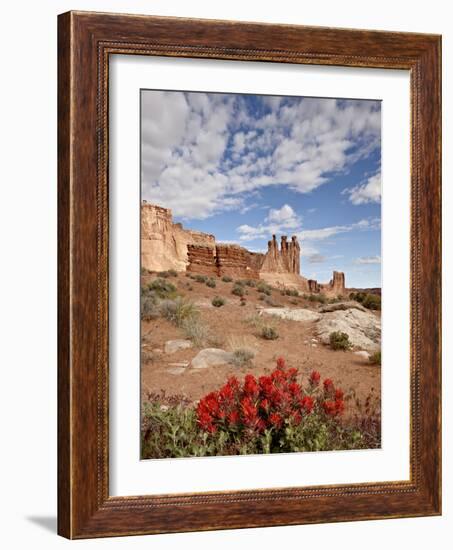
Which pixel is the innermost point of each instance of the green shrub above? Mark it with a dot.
(375, 358)
(163, 274)
(291, 292)
(250, 282)
(269, 333)
(149, 308)
(227, 279)
(317, 298)
(238, 290)
(200, 278)
(339, 340)
(263, 288)
(195, 330)
(211, 283)
(179, 310)
(242, 356)
(161, 288)
(218, 301)
(372, 301)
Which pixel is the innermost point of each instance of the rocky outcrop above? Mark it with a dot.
(235, 261)
(211, 357)
(164, 244)
(293, 314)
(283, 260)
(201, 260)
(167, 245)
(362, 327)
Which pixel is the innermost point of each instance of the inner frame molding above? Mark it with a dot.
(86, 41)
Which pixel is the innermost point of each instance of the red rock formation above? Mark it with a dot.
(201, 260)
(235, 261)
(164, 243)
(167, 245)
(285, 260)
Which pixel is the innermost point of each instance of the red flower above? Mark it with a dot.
(339, 394)
(250, 386)
(276, 420)
(296, 418)
(330, 408)
(294, 388)
(339, 406)
(328, 385)
(307, 403)
(281, 363)
(315, 377)
(265, 405)
(233, 418)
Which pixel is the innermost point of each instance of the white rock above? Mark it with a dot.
(314, 345)
(180, 364)
(362, 327)
(341, 306)
(363, 354)
(293, 314)
(211, 357)
(176, 370)
(175, 345)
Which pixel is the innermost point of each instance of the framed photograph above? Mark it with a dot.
(249, 275)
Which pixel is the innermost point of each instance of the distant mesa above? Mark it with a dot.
(167, 245)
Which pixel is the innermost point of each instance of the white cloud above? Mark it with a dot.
(367, 260)
(370, 191)
(201, 152)
(316, 259)
(278, 220)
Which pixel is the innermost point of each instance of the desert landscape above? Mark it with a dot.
(215, 311)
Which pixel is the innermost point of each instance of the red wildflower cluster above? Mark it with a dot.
(267, 402)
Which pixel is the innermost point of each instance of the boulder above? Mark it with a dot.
(211, 357)
(292, 314)
(362, 327)
(341, 306)
(363, 354)
(172, 346)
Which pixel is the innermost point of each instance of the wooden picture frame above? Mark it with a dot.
(85, 42)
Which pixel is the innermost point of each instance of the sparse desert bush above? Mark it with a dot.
(255, 320)
(291, 292)
(178, 310)
(372, 301)
(195, 330)
(263, 288)
(261, 297)
(243, 301)
(250, 282)
(368, 300)
(339, 340)
(227, 279)
(218, 301)
(149, 308)
(211, 283)
(243, 356)
(270, 301)
(161, 288)
(200, 278)
(269, 333)
(238, 290)
(375, 358)
(144, 271)
(317, 298)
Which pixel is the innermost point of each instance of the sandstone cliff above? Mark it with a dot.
(167, 245)
(164, 243)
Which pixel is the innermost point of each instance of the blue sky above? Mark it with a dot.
(244, 167)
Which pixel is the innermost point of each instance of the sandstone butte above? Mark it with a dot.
(167, 245)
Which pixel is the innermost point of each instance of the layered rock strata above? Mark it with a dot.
(167, 245)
